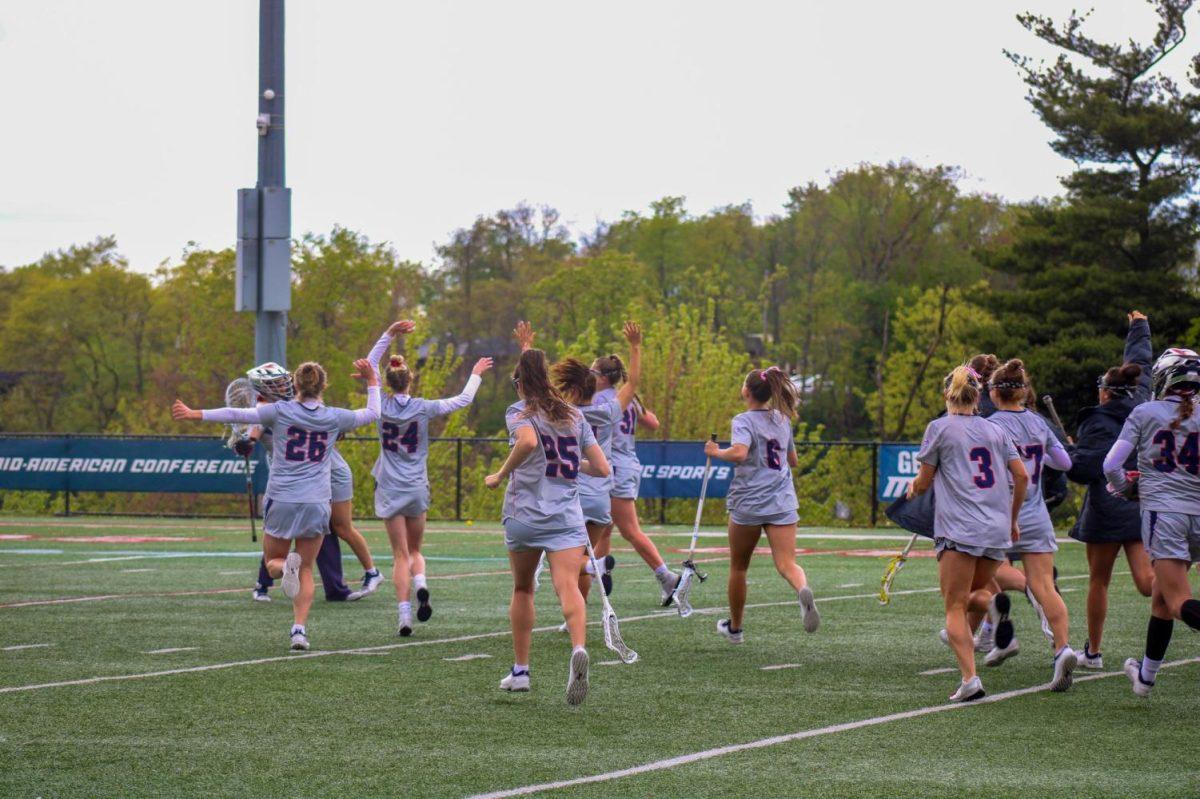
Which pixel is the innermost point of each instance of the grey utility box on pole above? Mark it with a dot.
(264, 225)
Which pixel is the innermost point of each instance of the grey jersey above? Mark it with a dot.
(1169, 460)
(303, 439)
(762, 484)
(1033, 440)
(624, 444)
(974, 487)
(603, 418)
(543, 491)
(404, 435)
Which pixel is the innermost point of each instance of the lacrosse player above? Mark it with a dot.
(577, 384)
(1036, 445)
(551, 445)
(401, 479)
(1165, 434)
(298, 490)
(973, 465)
(1106, 525)
(762, 496)
(627, 472)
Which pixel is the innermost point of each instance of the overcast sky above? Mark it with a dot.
(408, 119)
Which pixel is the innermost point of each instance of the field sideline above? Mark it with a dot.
(133, 663)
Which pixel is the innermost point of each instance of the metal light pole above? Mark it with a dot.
(264, 266)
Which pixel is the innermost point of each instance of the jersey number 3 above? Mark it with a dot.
(983, 462)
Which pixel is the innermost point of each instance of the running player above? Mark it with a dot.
(762, 496)
(1107, 525)
(1037, 445)
(298, 490)
(577, 383)
(551, 445)
(627, 473)
(975, 521)
(402, 481)
(1165, 434)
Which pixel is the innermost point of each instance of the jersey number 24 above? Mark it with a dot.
(392, 440)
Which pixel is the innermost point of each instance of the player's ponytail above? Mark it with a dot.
(612, 368)
(574, 380)
(1187, 406)
(984, 364)
(533, 380)
(1010, 381)
(1121, 381)
(773, 388)
(962, 387)
(310, 380)
(397, 375)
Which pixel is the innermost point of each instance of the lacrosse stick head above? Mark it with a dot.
(239, 394)
(683, 591)
(614, 641)
(889, 576)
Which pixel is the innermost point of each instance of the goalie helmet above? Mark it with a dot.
(272, 382)
(1176, 368)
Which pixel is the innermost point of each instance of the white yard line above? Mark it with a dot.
(460, 658)
(610, 663)
(931, 672)
(779, 667)
(24, 646)
(775, 740)
(137, 571)
(171, 649)
(851, 585)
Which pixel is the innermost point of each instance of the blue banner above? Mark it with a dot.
(676, 468)
(56, 463)
(897, 467)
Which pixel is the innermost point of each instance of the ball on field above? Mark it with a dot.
(469, 522)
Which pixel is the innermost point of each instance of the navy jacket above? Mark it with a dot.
(1105, 518)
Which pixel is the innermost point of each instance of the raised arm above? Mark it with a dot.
(400, 328)
(452, 404)
(524, 335)
(1140, 350)
(633, 334)
(369, 414)
(182, 412)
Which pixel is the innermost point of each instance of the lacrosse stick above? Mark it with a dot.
(893, 568)
(612, 632)
(241, 394)
(683, 588)
(1048, 401)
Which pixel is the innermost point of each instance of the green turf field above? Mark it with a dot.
(165, 679)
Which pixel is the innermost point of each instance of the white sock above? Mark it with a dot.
(578, 649)
(405, 608)
(418, 581)
(662, 572)
(588, 567)
(986, 627)
(521, 667)
(1150, 670)
(299, 628)
(374, 570)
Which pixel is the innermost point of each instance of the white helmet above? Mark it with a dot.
(1175, 368)
(272, 382)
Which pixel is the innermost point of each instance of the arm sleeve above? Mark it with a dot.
(1057, 456)
(742, 434)
(362, 416)
(1114, 461)
(1139, 350)
(233, 415)
(451, 404)
(928, 452)
(381, 346)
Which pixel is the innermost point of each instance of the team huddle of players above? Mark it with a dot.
(572, 472)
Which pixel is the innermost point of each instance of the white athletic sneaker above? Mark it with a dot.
(577, 680)
(515, 681)
(968, 690)
(406, 625)
(808, 610)
(370, 583)
(291, 575)
(996, 655)
(1064, 663)
(299, 641)
(944, 636)
(562, 628)
(984, 639)
(1133, 670)
(668, 583)
(261, 595)
(1089, 661)
(724, 629)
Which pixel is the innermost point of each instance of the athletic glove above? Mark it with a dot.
(244, 447)
(1129, 489)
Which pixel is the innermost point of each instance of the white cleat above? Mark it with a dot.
(291, 575)
(944, 636)
(406, 625)
(668, 584)
(1064, 664)
(371, 582)
(562, 628)
(968, 691)
(1133, 670)
(260, 595)
(985, 639)
(997, 655)
(1089, 661)
(808, 610)
(577, 681)
(724, 629)
(515, 681)
(299, 642)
